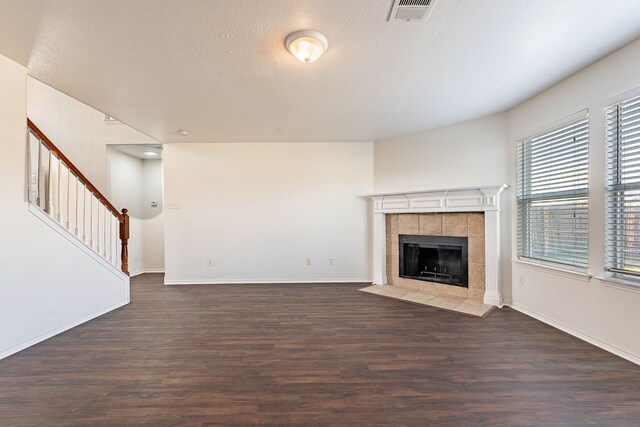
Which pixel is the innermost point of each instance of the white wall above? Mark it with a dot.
(78, 130)
(467, 154)
(259, 210)
(595, 310)
(153, 231)
(134, 183)
(47, 283)
(125, 190)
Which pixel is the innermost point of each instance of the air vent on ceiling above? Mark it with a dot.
(411, 10)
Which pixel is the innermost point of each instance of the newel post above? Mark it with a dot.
(124, 237)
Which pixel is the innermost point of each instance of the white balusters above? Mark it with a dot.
(76, 206)
(84, 213)
(59, 191)
(91, 220)
(77, 219)
(68, 208)
(50, 210)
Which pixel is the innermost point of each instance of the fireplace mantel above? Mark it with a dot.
(470, 199)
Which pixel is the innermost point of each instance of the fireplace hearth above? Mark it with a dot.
(434, 259)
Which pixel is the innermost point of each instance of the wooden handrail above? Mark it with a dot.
(124, 237)
(123, 217)
(55, 150)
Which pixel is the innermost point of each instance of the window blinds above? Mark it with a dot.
(553, 192)
(623, 188)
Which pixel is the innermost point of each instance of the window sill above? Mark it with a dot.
(614, 282)
(584, 276)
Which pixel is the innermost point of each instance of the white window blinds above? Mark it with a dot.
(553, 192)
(623, 188)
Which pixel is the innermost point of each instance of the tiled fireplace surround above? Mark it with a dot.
(462, 212)
(454, 224)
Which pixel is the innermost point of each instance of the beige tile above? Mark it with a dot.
(389, 255)
(473, 307)
(393, 291)
(476, 276)
(457, 291)
(476, 224)
(446, 301)
(476, 294)
(420, 297)
(430, 224)
(395, 256)
(392, 224)
(373, 289)
(476, 250)
(455, 224)
(393, 280)
(408, 224)
(411, 284)
(430, 287)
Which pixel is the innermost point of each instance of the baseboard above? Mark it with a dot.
(262, 282)
(145, 271)
(53, 332)
(584, 337)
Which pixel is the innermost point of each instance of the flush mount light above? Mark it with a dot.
(307, 46)
(183, 132)
(150, 153)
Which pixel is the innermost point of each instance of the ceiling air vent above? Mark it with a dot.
(411, 10)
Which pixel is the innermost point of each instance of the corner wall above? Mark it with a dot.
(48, 284)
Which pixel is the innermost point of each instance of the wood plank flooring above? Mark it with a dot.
(311, 355)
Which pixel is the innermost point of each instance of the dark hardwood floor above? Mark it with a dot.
(311, 355)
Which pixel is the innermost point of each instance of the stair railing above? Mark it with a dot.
(58, 188)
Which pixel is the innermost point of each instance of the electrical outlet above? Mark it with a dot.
(308, 261)
(330, 261)
(521, 280)
(209, 262)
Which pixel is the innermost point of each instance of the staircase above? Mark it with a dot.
(59, 190)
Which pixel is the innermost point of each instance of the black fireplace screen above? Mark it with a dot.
(434, 259)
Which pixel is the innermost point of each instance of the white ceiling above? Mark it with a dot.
(140, 151)
(219, 68)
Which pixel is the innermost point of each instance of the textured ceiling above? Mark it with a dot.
(219, 67)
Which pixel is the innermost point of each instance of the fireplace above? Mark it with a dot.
(438, 259)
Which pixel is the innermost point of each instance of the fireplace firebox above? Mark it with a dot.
(434, 259)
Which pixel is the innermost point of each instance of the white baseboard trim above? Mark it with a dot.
(145, 271)
(493, 299)
(584, 337)
(262, 282)
(55, 331)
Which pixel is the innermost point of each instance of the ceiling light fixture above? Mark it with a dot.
(150, 153)
(307, 46)
(183, 132)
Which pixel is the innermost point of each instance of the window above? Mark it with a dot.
(623, 188)
(553, 192)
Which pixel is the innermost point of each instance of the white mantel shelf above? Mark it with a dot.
(469, 199)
